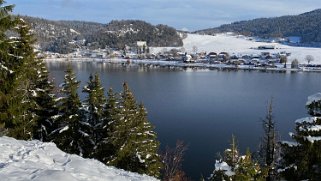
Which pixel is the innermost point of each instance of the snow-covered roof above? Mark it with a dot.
(38, 161)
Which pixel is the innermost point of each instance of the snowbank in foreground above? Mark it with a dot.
(37, 161)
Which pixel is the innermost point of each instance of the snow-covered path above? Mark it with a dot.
(37, 161)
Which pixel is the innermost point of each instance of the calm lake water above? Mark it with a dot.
(204, 108)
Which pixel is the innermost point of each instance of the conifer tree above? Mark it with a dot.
(224, 168)
(8, 69)
(94, 106)
(20, 100)
(231, 155)
(247, 169)
(71, 134)
(134, 139)
(23, 119)
(235, 167)
(105, 148)
(46, 104)
(302, 158)
(269, 148)
(38, 94)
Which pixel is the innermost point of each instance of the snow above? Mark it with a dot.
(223, 166)
(235, 44)
(83, 133)
(34, 93)
(290, 143)
(64, 129)
(311, 128)
(313, 139)
(140, 158)
(314, 98)
(5, 68)
(74, 31)
(306, 120)
(55, 117)
(71, 116)
(241, 45)
(38, 161)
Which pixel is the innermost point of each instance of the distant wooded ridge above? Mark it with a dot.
(307, 26)
(65, 36)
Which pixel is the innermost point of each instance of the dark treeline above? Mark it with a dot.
(65, 36)
(306, 26)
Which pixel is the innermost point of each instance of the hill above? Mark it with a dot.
(240, 45)
(35, 160)
(65, 36)
(306, 26)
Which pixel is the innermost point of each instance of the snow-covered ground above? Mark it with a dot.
(37, 161)
(241, 45)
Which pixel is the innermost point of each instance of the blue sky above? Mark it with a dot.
(189, 14)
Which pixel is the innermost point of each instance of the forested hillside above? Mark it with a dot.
(306, 25)
(65, 36)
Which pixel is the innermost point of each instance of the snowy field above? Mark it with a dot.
(241, 45)
(37, 161)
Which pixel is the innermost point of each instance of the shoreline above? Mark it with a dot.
(182, 65)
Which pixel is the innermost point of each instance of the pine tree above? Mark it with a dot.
(8, 70)
(23, 119)
(134, 139)
(71, 135)
(237, 168)
(302, 158)
(105, 148)
(269, 148)
(45, 99)
(20, 97)
(95, 103)
(247, 169)
(224, 168)
(39, 90)
(231, 155)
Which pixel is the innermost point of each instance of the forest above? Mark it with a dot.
(65, 36)
(306, 26)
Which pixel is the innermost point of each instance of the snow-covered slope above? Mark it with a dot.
(238, 44)
(37, 161)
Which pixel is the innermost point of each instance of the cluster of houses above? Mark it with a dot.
(263, 58)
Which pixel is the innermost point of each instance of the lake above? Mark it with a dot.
(204, 108)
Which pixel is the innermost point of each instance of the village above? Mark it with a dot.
(263, 56)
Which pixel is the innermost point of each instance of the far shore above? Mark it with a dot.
(201, 65)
